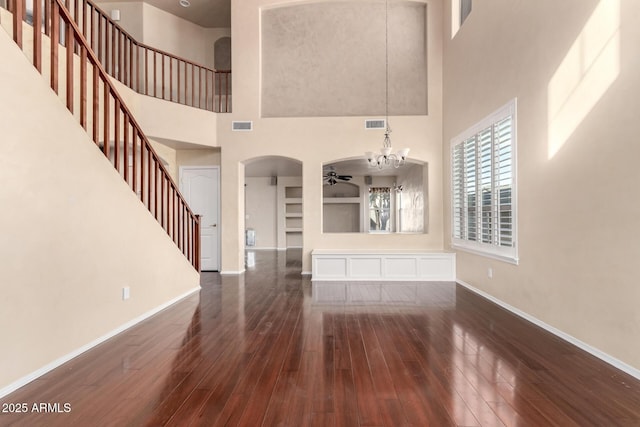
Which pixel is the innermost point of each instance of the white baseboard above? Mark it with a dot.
(67, 357)
(557, 332)
(306, 273)
(231, 272)
(260, 248)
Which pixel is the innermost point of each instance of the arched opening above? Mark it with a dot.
(222, 62)
(361, 199)
(273, 203)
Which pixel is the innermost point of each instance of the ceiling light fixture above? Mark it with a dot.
(386, 158)
(185, 3)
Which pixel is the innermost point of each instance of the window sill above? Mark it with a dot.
(487, 254)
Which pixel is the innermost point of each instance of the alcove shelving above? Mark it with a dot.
(293, 215)
(341, 208)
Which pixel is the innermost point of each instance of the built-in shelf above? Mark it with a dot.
(293, 216)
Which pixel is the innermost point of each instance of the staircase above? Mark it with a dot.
(64, 56)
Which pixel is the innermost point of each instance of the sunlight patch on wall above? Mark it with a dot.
(591, 65)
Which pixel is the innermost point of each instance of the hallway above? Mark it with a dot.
(255, 350)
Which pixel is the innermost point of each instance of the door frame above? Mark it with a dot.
(181, 169)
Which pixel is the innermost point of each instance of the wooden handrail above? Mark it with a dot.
(138, 163)
(145, 69)
(130, 71)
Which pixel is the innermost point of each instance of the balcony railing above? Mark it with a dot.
(63, 55)
(142, 68)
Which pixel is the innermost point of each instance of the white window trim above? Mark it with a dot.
(456, 16)
(506, 254)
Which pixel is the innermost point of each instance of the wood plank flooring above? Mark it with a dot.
(255, 350)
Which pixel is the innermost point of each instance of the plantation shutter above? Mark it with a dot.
(482, 180)
(504, 180)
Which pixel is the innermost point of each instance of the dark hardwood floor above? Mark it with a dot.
(255, 350)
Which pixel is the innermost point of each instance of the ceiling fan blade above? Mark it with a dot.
(344, 177)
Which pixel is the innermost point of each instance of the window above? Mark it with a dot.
(465, 10)
(380, 209)
(483, 165)
(460, 10)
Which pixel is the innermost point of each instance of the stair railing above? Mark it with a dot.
(102, 112)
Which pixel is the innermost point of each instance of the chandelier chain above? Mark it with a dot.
(386, 58)
(386, 158)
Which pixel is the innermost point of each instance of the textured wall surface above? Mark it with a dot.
(328, 59)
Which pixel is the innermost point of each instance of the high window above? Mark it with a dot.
(465, 10)
(460, 10)
(483, 165)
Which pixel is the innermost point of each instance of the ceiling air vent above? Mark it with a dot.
(242, 126)
(374, 124)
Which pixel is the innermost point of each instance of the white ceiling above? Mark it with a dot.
(206, 13)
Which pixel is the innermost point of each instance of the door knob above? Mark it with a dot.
(213, 225)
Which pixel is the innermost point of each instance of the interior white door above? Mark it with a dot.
(200, 187)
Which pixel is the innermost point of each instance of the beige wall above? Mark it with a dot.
(131, 17)
(73, 233)
(175, 35)
(199, 157)
(573, 67)
(261, 211)
(163, 120)
(315, 141)
(168, 156)
(164, 31)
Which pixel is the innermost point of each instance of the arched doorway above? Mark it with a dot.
(273, 202)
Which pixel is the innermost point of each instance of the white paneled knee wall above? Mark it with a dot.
(330, 265)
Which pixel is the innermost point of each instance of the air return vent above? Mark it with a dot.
(374, 124)
(242, 126)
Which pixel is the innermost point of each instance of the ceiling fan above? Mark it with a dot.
(331, 177)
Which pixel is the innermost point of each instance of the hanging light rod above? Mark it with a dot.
(386, 158)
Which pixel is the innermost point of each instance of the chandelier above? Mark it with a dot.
(386, 158)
